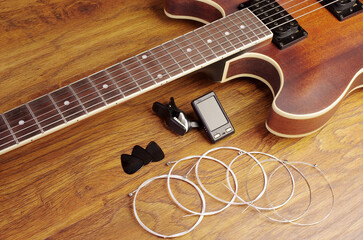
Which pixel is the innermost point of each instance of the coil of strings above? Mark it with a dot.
(231, 179)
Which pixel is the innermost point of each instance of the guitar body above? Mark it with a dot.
(70, 184)
(308, 79)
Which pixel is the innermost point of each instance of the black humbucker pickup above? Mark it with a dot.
(286, 30)
(343, 9)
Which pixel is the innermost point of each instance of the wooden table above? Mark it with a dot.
(70, 184)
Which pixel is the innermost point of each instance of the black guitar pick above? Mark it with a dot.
(142, 154)
(140, 157)
(131, 164)
(155, 151)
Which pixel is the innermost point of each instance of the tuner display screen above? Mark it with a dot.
(211, 113)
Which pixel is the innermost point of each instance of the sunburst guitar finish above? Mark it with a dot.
(308, 79)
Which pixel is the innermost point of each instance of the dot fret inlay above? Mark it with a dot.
(176, 58)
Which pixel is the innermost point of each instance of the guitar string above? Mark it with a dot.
(284, 17)
(144, 71)
(169, 53)
(234, 192)
(96, 98)
(122, 86)
(159, 70)
(284, 9)
(88, 101)
(208, 49)
(145, 183)
(249, 6)
(304, 14)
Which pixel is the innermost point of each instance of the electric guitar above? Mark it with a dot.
(277, 42)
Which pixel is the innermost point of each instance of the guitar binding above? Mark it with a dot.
(286, 30)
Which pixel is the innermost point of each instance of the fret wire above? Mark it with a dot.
(113, 82)
(143, 66)
(173, 59)
(77, 96)
(186, 54)
(259, 24)
(214, 40)
(247, 26)
(9, 128)
(198, 54)
(127, 72)
(73, 113)
(98, 92)
(217, 39)
(129, 76)
(238, 27)
(44, 126)
(56, 107)
(160, 64)
(244, 32)
(134, 81)
(79, 101)
(55, 121)
(224, 34)
(240, 20)
(247, 38)
(231, 32)
(219, 20)
(35, 119)
(194, 47)
(258, 30)
(254, 32)
(206, 44)
(138, 79)
(158, 60)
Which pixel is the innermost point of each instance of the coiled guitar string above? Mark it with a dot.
(314, 166)
(250, 203)
(201, 195)
(279, 206)
(199, 159)
(227, 174)
(250, 154)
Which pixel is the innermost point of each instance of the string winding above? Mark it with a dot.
(250, 202)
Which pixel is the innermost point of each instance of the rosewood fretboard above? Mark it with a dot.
(171, 60)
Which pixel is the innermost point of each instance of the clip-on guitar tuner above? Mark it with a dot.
(209, 110)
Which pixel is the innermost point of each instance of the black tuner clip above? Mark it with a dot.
(174, 117)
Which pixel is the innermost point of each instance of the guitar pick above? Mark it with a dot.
(155, 151)
(142, 154)
(131, 164)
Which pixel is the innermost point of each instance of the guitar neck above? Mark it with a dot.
(190, 52)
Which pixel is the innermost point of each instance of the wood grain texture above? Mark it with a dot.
(70, 185)
(317, 72)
